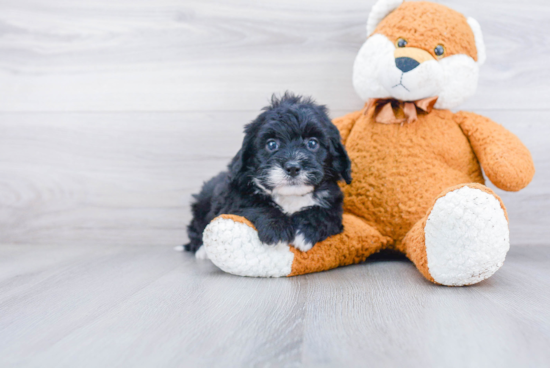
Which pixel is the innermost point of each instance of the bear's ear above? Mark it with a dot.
(480, 45)
(379, 11)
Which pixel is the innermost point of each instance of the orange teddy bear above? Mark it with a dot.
(417, 183)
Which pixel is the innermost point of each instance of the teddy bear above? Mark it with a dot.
(418, 186)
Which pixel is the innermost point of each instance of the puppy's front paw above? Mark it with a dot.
(275, 235)
(307, 235)
(301, 243)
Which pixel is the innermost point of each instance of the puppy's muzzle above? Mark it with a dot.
(292, 168)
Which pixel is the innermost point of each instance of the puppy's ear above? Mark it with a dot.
(340, 160)
(236, 164)
(341, 164)
(241, 162)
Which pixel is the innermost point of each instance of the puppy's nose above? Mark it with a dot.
(292, 168)
(406, 64)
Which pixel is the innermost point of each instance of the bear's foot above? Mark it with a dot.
(466, 236)
(232, 243)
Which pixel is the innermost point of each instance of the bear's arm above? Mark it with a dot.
(505, 160)
(345, 124)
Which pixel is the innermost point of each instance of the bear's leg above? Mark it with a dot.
(463, 239)
(232, 244)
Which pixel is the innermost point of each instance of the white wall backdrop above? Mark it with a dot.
(113, 112)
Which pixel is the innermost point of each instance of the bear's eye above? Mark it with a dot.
(401, 42)
(313, 144)
(272, 145)
(439, 50)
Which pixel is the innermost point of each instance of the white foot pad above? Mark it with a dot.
(467, 237)
(201, 254)
(235, 248)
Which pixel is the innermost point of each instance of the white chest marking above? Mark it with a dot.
(295, 203)
(291, 204)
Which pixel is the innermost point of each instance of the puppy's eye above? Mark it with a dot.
(439, 50)
(272, 145)
(401, 42)
(313, 144)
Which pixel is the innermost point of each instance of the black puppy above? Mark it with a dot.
(283, 179)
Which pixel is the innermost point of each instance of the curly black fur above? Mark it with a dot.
(252, 185)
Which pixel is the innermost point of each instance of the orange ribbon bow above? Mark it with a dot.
(387, 116)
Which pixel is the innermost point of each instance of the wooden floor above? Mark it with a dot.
(149, 306)
(113, 112)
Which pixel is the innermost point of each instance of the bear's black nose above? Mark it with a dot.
(292, 169)
(406, 64)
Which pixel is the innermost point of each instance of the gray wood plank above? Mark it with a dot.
(108, 174)
(397, 319)
(127, 178)
(147, 306)
(231, 55)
